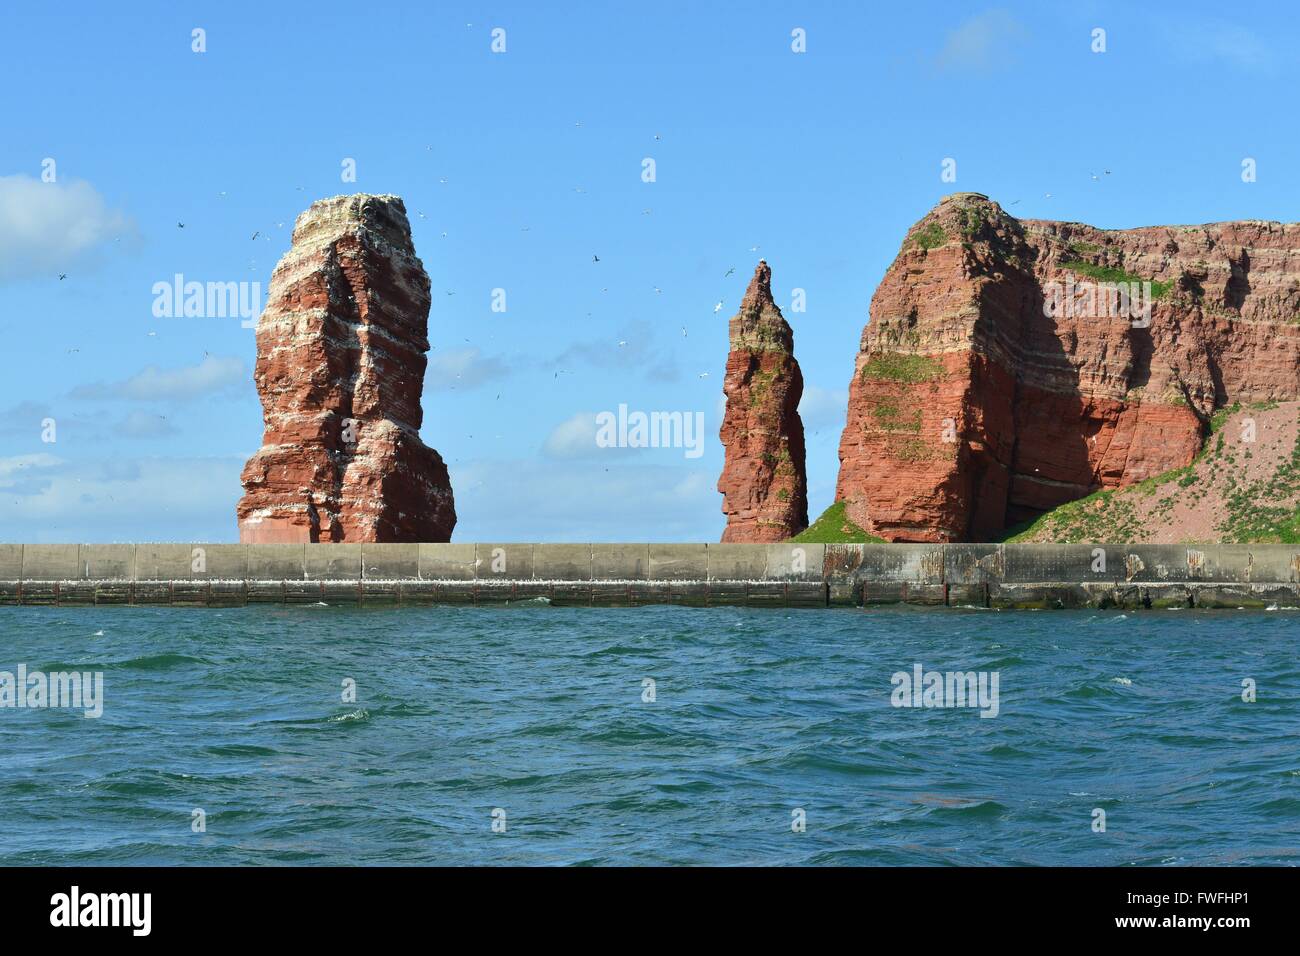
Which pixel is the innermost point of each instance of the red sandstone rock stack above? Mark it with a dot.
(340, 369)
(971, 410)
(764, 488)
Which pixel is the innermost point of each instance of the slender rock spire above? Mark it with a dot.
(763, 484)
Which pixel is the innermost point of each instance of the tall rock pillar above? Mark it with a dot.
(340, 369)
(763, 484)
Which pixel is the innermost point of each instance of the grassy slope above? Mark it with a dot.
(1127, 514)
(833, 527)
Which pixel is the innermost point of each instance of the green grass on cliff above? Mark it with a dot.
(834, 527)
(901, 367)
(1251, 513)
(1111, 274)
(931, 237)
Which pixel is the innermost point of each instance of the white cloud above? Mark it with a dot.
(984, 42)
(141, 424)
(822, 407)
(462, 369)
(639, 352)
(44, 498)
(586, 501)
(215, 374)
(574, 438)
(46, 228)
(1209, 39)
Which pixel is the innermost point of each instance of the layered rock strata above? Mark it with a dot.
(1002, 373)
(763, 484)
(340, 369)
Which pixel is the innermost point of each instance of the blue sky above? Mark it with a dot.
(820, 159)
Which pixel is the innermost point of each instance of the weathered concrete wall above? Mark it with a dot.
(983, 575)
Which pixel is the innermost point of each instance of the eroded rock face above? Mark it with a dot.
(340, 369)
(764, 487)
(972, 410)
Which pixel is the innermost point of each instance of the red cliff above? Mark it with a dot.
(1000, 374)
(340, 369)
(764, 488)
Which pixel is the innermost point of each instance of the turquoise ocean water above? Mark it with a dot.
(539, 713)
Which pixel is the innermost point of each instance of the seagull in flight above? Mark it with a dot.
(180, 225)
(595, 258)
(729, 273)
(717, 308)
(62, 276)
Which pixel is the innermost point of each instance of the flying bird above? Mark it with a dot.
(717, 308)
(62, 276)
(595, 258)
(256, 234)
(729, 272)
(180, 225)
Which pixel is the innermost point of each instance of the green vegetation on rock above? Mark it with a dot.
(1251, 516)
(891, 418)
(834, 527)
(931, 236)
(901, 367)
(1111, 274)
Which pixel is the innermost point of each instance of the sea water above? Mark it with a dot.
(533, 734)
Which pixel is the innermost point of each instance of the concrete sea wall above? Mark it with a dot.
(774, 575)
